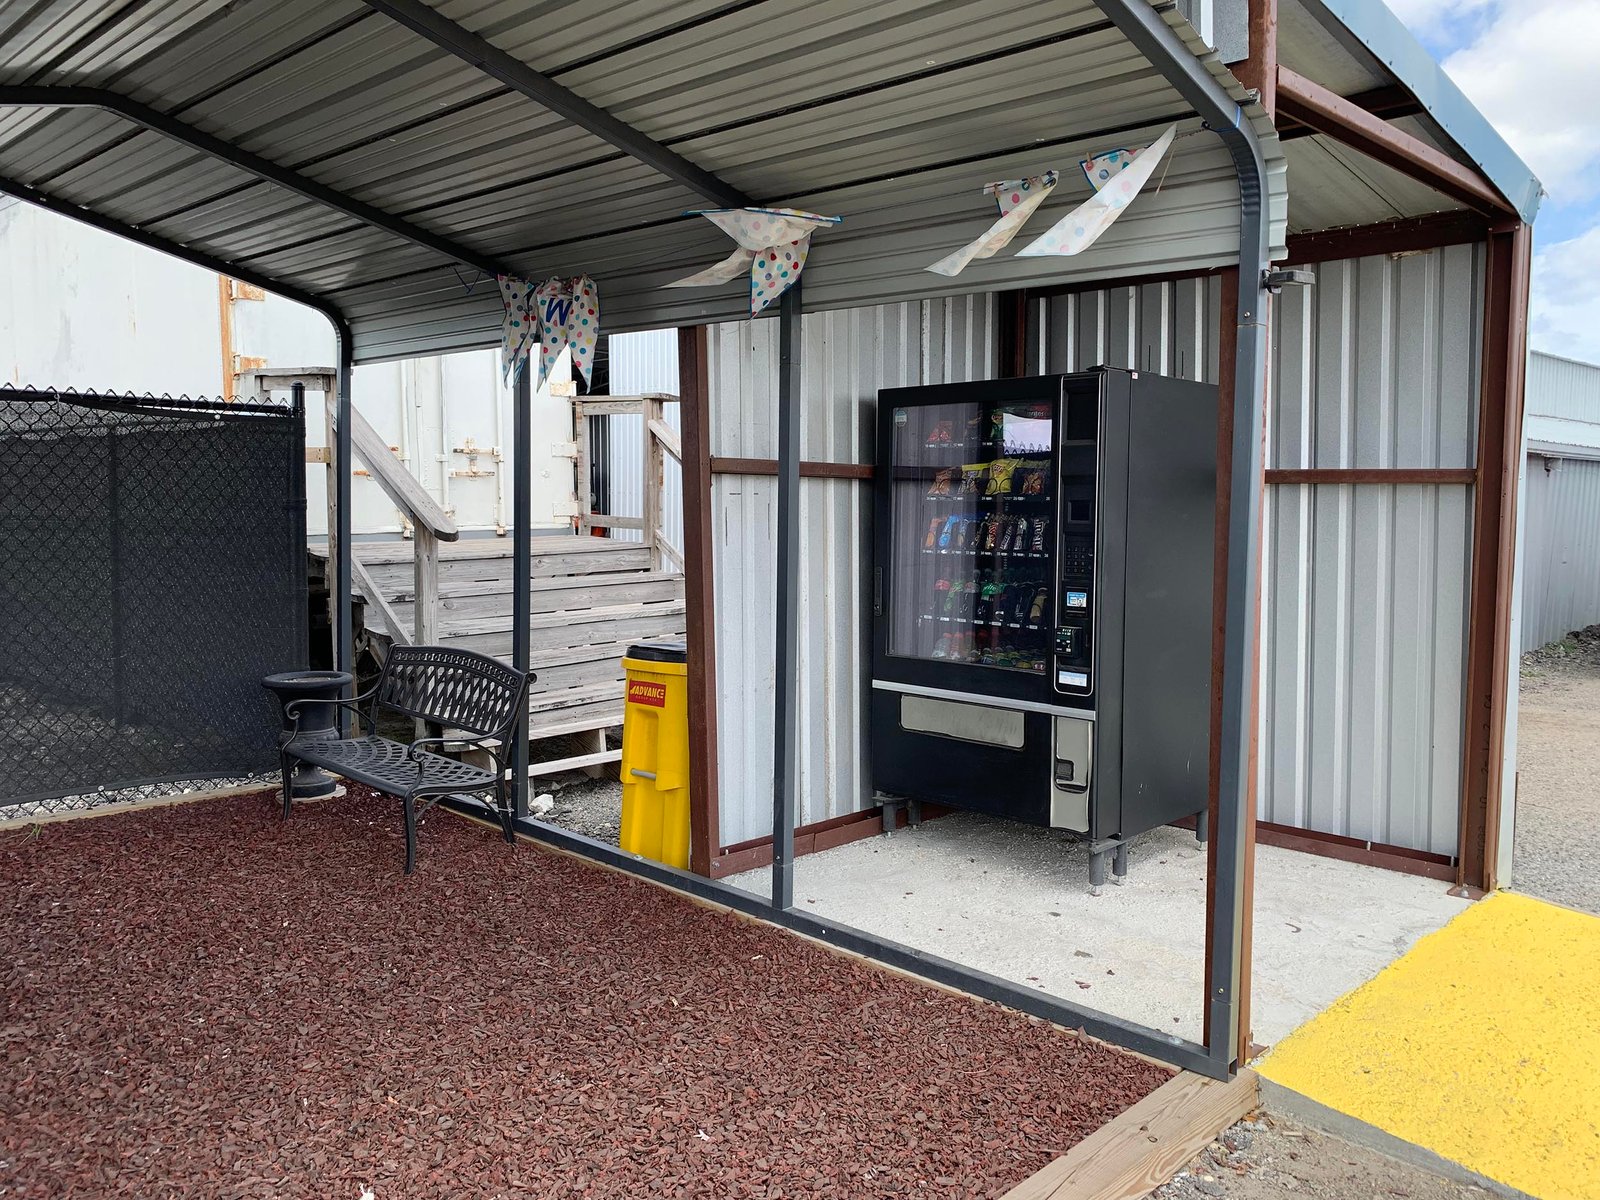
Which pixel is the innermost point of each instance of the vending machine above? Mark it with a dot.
(1041, 601)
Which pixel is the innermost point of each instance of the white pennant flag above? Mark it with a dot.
(1017, 199)
(1082, 227)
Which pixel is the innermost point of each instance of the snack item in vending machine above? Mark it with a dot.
(941, 482)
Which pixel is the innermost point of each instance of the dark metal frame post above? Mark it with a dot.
(786, 707)
(344, 633)
(521, 565)
(1229, 886)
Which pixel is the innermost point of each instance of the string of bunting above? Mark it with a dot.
(556, 314)
(773, 245)
(1117, 176)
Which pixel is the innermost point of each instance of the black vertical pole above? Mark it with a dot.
(521, 562)
(297, 525)
(343, 576)
(114, 539)
(786, 716)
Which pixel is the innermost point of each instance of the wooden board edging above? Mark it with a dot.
(1147, 1144)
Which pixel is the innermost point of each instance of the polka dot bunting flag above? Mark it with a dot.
(569, 315)
(773, 244)
(518, 327)
(1017, 199)
(1082, 227)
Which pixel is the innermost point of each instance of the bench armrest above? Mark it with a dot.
(291, 710)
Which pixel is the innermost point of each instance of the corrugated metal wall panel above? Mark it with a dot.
(1364, 595)
(1364, 618)
(848, 356)
(1561, 556)
(1385, 353)
(1562, 387)
(640, 363)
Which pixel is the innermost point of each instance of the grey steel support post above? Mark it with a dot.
(1147, 30)
(344, 633)
(786, 708)
(521, 563)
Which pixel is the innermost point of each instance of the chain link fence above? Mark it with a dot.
(152, 570)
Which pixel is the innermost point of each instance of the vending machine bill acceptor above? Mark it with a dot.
(1041, 601)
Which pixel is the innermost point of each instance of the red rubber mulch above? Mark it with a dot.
(207, 1001)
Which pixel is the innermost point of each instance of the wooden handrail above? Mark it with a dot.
(409, 496)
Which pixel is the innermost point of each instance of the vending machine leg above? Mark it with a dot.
(1115, 849)
(889, 808)
(1202, 826)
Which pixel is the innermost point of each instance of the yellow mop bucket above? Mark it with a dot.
(655, 753)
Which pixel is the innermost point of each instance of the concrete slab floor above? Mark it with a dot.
(1014, 900)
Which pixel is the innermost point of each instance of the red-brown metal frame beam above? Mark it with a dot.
(1327, 112)
(694, 394)
(1389, 237)
(1494, 532)
(1385, 102)
(1259, 71)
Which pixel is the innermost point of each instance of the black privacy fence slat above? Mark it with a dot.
(152, 571)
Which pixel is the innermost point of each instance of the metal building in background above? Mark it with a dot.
(1561, 498)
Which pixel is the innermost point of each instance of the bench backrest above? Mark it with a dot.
(458, 689)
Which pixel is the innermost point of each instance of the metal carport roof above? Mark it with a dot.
(892, 115)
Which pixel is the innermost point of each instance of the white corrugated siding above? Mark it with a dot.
(848, 356)
(1365, 594)
(643, 362)
(1561, 555)
(1364, 588)
(1564, 388)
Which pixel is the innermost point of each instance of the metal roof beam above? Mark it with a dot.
(421, 19)
(1326, 111)
(28, 96)
(1390, 103)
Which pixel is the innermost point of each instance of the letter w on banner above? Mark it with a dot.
(556, 313)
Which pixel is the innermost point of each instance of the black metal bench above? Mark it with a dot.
(475, 697)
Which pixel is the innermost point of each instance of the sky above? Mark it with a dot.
(1533, 68)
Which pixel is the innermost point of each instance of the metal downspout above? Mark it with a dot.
(1144, 26)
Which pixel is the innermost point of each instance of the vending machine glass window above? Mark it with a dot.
(972, 536)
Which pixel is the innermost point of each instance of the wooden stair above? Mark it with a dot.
(592, 598)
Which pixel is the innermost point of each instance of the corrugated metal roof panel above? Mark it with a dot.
(1334, 187)
(892, 115)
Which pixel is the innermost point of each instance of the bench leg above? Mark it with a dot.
(411, 834)
(503, 805)
(288, 784)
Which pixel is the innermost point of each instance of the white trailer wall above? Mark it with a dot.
(83, 309)
(848, 356)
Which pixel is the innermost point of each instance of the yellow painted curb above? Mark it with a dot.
(1482, 1044)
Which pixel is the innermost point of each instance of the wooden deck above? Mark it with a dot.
(592, 598)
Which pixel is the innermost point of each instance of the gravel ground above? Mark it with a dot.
(1267, 1158)
(1558, 764)
(592, 807)
(208, 1001)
